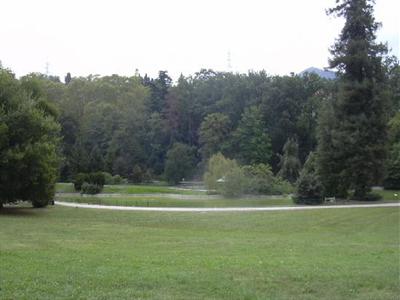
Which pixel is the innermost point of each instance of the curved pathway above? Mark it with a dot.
(221, 209)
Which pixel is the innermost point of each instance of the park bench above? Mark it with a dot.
(330, 199)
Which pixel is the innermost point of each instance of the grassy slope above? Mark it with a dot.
(92, 254)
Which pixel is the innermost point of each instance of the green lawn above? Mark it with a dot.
(389, 194)
(132, 189)
(68, 253)
(147, 201)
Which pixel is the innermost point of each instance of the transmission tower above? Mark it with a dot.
(47, 68)
(229, 61)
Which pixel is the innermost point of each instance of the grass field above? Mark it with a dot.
(147, 201)
(132, 189)
(67, 253)
(389, 194)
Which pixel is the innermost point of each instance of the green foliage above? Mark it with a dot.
(373, 197)
(394, 129)
(180, 163)
(91, 188)
(137, 174)
(392, 179)
(290, 106)
(213, 134)
(329, 164)
(80, 178)
(359, 111)
(217, 168)
(118, 179)
(29, 139)
(234, 183)
(108, 178)
(290, 164)
(309, 188)
(252, 143)
(261, 180)
(96, 178)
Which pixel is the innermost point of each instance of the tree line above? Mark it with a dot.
(118, 124)
(140, 127)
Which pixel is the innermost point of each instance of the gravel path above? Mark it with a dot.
(222, 209)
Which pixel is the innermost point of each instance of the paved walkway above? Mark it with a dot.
(222, 209)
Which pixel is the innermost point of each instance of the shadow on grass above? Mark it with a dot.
(22, 211)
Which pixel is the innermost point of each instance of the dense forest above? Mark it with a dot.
(119, 124)
(123, 124)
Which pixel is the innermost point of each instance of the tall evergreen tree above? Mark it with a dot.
(359, 110)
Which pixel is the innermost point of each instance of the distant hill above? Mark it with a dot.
(321, 73)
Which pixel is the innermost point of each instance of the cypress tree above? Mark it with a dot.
(359, 109)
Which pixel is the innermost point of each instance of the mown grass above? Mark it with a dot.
(67, 253)
(146, 201)
(389, 194)
(131, 189)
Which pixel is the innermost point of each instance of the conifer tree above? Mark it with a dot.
(359, 110)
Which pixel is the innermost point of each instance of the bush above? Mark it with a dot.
(235, 183)
(108, 178)
(97, 178)
(80, 178)
(282, 187)
(90, 188)
(217, 168)
(309, 187)
(260, 179)
(117, 179)
(373, 197)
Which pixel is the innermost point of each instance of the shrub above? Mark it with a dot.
(260, 179)
(235, 182)
(97, 178)
(217, 168)
(309, 187)
(80, 178)
(117, 179)
(282, 187)
(108, 178)
(91, 189)
(373, 197)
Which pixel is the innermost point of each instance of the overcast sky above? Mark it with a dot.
(181, 36)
